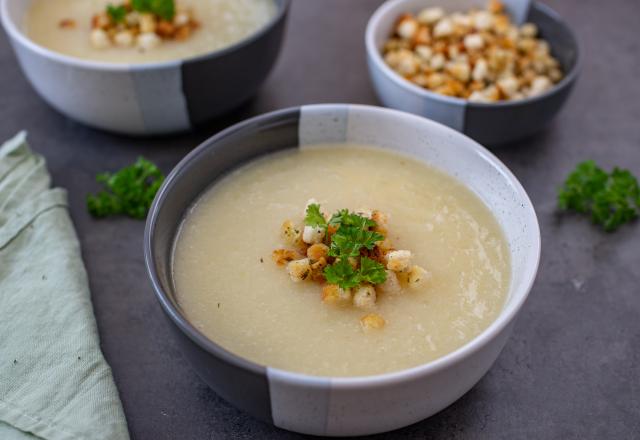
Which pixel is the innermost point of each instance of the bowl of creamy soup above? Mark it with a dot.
(341, 269)
(143, 67)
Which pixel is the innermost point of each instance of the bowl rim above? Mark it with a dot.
(506, 316)
(375, 56)
(14, 31)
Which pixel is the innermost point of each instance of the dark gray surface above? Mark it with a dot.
(571, 369)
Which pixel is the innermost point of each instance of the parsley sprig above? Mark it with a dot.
(612, 199)
(353, 234)
(130, 191)
(117, 14)
(166, 9)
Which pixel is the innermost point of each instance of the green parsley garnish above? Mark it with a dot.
(314, 217)
(129, 192)
(353, 234)
(165, 9)
(612, 199)
(117, 14)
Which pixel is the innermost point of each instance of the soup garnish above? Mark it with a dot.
(351, 256)
(144, 24)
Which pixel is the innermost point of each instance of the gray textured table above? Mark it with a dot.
(571, 369)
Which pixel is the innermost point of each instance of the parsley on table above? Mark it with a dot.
(117, 14)
(612, 199)
(165, 9)
(352, 235)
(129, 192)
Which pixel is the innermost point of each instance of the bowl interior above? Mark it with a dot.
(408, 134)
(551, 27)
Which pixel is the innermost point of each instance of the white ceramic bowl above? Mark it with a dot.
(359, 405)
(149, 98)
(488, 123)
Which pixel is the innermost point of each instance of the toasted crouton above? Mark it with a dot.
(398, 261)
(336, 295)
(299, 270)
(372, 321)
(364, 297)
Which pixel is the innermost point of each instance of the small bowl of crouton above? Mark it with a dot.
(497, 72)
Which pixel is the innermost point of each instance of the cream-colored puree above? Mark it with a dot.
(223, 23)
(229, 288)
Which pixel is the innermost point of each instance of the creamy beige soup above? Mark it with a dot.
(223, 23)
(230, 289)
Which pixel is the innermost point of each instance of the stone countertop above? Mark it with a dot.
(572, 367)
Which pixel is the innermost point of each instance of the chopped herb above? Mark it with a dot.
(612, 199)
(371, 271)
(129, 192)
(165, 9)
(343, 274)
(314, 217)
(117, 14)
(352, 235)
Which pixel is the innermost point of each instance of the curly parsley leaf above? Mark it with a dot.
(129, 192)
(165, 9)
(342, 273)
(611, 199)
(117, 14)
(349, 240)
(314, 217)
(371, 271)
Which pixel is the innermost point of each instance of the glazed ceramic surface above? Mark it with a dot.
(489, 124)
(147, 99)
(344, 406)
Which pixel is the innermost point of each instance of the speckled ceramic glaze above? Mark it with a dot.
(488, 123)
(344, 406)
(147, 99)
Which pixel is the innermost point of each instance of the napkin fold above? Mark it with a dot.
(54, 382)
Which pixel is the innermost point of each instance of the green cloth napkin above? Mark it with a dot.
(54, 382)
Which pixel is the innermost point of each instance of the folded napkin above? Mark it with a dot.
(54, 381)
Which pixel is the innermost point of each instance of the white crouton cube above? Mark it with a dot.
(148, 41)
(407, 28)
(312, 234)
(299, 270)
(99, 39)
(364, 297)
(430, 15)
(417, 276)
(290, 232)
(443, 28)
(398, 261)
(480, 70)
(336, 295)
(473, 42)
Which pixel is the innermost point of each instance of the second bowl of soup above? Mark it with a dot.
(134, 72)
(340, 269)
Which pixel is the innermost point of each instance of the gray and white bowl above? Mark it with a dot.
(488, 123)
(149, 98)
(339, 406)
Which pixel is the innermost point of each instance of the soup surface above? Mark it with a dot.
(223, 23)
(229, 287)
